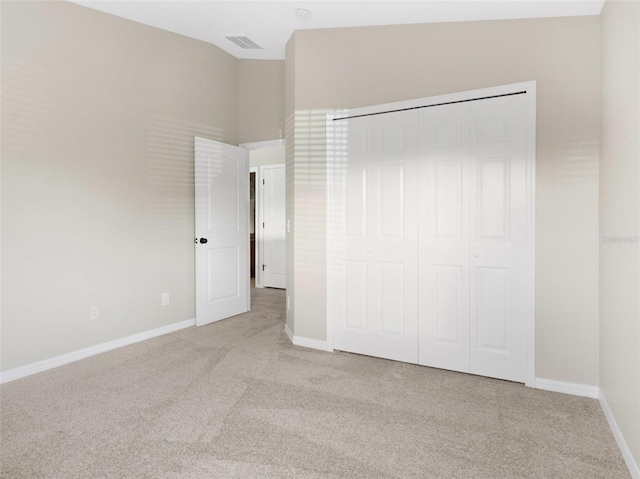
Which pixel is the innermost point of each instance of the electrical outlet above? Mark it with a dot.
(93, 313)
(165, 299)
(288, 302)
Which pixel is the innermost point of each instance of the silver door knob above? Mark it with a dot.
(476, 255)
(368, 250)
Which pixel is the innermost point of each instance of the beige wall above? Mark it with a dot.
(309, 218)
(260, 100)
(266, 156)
(619, 216)
(98, 119)
(352, 67)
(306, 199)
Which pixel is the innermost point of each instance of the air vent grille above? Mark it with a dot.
(243, 42)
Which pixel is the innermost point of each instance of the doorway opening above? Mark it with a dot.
(267, 222)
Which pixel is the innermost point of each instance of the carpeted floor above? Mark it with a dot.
(236, 400)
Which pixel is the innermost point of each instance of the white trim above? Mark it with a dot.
(575, 389)
(311, 343)
(288, 332)
(528, 86)
(258, 231)
(248, 257)
(329, 178)
(256, 145)
(530, 273)
(329, 138)
(306, 342)
(634, 468)
(46, 364)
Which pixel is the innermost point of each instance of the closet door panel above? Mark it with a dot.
(493, 200)
(395, 243)
(444, 237)
(498, 237)
(390, 201)
(391, 297)
(373, 246)
(356, 285)
(356, 202)
(348, 272)
(447, 196)
(449, 304)
(492, 309)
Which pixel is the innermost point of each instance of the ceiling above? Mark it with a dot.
(270, 23)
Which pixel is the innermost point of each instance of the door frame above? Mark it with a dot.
(259, 237)
(257, 234)
(333, 138)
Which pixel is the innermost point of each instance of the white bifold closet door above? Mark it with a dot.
(444, 237)
(374, 234)
(473, 237)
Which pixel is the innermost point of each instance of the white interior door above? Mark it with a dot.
(498, 219)
(274, 227)
(373, 272)
(444, 237)
(222, 230)
(473, 237)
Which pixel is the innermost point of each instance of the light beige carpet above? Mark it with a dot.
(236, 400)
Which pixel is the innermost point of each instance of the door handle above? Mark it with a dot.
(203, 240)
(476, 255)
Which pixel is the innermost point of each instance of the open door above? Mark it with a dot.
(222, 230)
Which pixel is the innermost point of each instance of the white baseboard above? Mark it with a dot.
(288, 332)
(634, 468)
(574, 389)
(306, 342)
(311, 343)
(46, 364)
(594, 392)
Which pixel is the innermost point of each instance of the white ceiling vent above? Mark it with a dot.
(243, 42)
